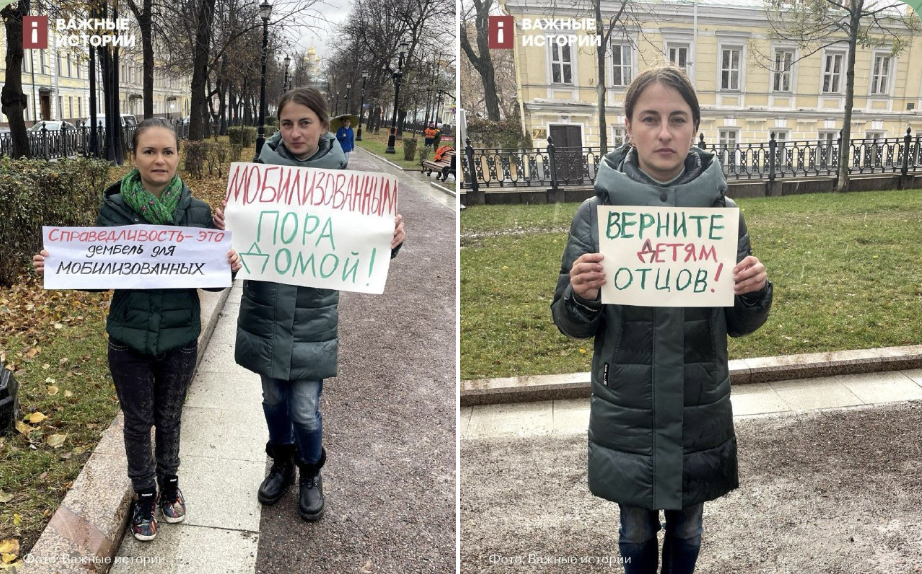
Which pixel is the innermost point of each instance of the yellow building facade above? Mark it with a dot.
(748, 84)
(57, 86)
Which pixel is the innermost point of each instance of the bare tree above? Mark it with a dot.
(12, 98)
(481, 59)
(816, 24)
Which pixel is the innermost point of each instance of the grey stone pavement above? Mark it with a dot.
(389, 430)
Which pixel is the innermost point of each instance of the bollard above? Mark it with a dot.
(907, 141)
(9, 400)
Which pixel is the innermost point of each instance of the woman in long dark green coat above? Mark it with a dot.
(288, 334)
(661, 426)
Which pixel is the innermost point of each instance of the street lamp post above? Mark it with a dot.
(336, 105)
(348, 88)
(358, 136)
(391, 139)
(285, 85)
(265, 11)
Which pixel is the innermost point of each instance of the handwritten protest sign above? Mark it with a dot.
(668, 256)
(136, 257)
(313, 227)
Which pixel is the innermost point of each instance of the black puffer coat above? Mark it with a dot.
(661, 426)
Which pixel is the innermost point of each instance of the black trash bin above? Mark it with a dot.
(9, 400)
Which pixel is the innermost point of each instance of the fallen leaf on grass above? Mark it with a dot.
(36, 417)
(32, 352)
(68, 394)
(56, 440)
(8, 558)
(63, 361)
(66, 455)
(9, 546)
(5, 497)
(17, 520)
(46, 366)
(23, 428)
(58, 326)
(52, 390)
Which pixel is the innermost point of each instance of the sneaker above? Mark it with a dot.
(143, 522)
(172, 503)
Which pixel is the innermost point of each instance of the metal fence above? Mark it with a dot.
(66, 142)
(554, 167)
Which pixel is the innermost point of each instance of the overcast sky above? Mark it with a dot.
(306, 31)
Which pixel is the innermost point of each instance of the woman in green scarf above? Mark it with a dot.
(153, 333)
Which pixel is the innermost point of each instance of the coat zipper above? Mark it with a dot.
(653, 397)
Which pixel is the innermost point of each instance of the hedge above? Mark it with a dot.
(37, 192)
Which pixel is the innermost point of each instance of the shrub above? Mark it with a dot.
(244, 136)
(33, 193)
(502, 134)
(272, 122)
(424, 153)
(196, 157)
(409, 148)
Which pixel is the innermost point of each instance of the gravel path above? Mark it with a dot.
(834, 492)
(389, 418)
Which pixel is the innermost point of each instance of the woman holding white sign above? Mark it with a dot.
(661, 426)
(153, 333)
(288, 334)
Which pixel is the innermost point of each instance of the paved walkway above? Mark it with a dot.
(572, 416)
(389, 429)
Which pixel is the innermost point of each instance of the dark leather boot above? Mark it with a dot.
(310, 497)
(281, 475)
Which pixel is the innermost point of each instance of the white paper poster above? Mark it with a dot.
(313, 227)
(136, 257)
(668, 256)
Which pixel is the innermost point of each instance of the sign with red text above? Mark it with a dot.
(668, 256)
(136, 257)
(326, 228)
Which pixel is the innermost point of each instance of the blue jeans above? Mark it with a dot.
(638, 543)
(292, 410)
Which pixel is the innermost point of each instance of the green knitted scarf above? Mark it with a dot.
(144, 203)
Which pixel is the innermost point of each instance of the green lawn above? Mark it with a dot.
(846, 269)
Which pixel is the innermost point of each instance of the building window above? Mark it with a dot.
(781, 74)
(781, 152)
(619, 135)
(729, 138)
(561, 64)
(41, 61)
(678, 56)
(61, 107)
(880, 78)
(79, 107)
(832, 73)
(827, 147)
(621, 64)
(728, 153)
(730, 69)
(59, 69)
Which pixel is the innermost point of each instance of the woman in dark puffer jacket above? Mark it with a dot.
(661, 426)
(153, 333)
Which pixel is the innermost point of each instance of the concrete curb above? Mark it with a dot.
(744, 371)
(388, 162)
(86, 530)
(443, 188)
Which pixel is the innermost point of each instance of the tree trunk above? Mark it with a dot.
(845, 147)
(600, 85)
(145, 18)
(11, 97)
(200, 70)
(483, 63)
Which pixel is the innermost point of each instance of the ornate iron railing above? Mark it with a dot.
(554, 167)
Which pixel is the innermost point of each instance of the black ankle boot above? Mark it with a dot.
(310, 496)
(281, 475)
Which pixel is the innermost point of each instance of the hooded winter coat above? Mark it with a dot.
(661, 426)
(289, 332)
(154, 321)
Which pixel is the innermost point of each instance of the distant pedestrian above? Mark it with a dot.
(346, 138)
(661, 431)
(429, 134)
(289, 334)
(153, 333)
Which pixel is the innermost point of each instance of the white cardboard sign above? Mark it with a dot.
(325, 228)
(668, 256)
(136, 257)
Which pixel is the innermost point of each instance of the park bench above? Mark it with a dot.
(445, 166)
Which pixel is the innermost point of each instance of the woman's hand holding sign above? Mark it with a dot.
(38, 262)
(749, 276)
(587, 275)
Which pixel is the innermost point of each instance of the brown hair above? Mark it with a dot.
(148, 124)
(308, 97)
(667, 76)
